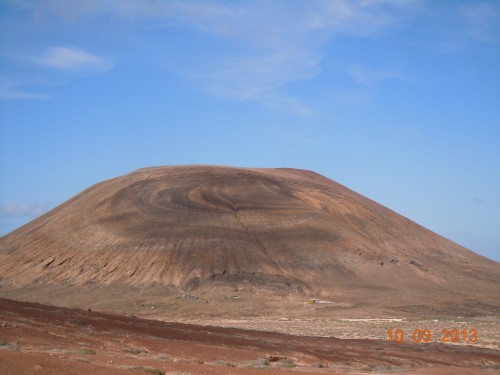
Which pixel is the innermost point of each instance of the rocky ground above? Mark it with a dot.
(487, 329)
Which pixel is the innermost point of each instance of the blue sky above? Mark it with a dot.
(398, 100)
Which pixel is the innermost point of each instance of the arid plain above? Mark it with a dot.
(276, 269)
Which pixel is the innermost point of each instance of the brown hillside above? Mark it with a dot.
(204, 234)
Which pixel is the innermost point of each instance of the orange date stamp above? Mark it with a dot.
(425, 335)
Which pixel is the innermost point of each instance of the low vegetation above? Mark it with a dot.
(74, 322)
(8, 346)
(223, 363)
(147, 369)
(80, 351)
(134, 351)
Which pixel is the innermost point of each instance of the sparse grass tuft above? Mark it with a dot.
(223, 363)
(81, 360)
(417, 349)
(147, 369)
(80, 351)
(8, 346)
(74, 322)
(384, 369)
(134, 351)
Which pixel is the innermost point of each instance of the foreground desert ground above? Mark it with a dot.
(39, 339)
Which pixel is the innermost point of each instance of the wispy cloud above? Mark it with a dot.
(11, 210)
(74, 59)
(10, 94)
(463, 24)
(286, 103)
(13, 215)
(483, 21)
(130, 10)
(285, 44)
(258, 78)
(371, 77)
(283, 40)
(14, 89)
(69, 60)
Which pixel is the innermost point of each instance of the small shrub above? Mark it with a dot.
(134, 351)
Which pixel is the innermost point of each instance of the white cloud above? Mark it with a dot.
(74, 59)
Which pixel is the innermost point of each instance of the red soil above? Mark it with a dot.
(50, 340)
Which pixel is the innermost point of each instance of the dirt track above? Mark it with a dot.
(37, 339)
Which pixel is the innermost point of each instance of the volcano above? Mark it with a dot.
(201, 234)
